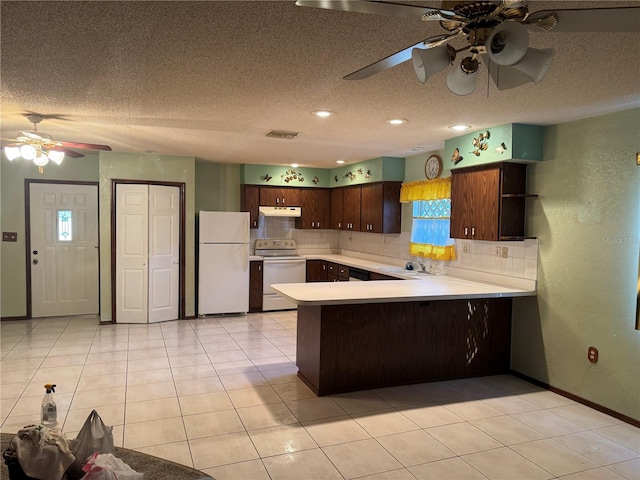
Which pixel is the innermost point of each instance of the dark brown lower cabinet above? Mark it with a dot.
(317, 270)
(345, 348)
(255, 286)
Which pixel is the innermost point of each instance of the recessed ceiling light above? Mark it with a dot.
(340, 161)
(460, 128)
(322, 113)
(295, 165)
(397, 121)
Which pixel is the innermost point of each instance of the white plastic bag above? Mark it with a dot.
(106, 466)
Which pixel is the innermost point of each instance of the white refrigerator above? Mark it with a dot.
(223, 262)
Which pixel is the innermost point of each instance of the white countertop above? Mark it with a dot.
(424, 289)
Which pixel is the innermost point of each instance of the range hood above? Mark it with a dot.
(280, 211)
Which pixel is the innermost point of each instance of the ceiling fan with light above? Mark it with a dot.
(496, 34)
(41, 148)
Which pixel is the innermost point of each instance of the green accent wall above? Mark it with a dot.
(217, 187)
(374, 170)
(522, 142)
(587, 220)
(283, 175)
(147, 167)
(13, 266)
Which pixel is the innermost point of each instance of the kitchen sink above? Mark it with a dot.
(399, 270)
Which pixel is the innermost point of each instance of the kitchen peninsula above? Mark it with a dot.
(362, 335)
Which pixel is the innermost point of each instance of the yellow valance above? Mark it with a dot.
(426, 190)
(434, 252)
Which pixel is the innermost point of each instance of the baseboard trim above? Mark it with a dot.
(575, 398)
(11, 319)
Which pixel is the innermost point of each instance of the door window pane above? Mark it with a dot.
(65, 226)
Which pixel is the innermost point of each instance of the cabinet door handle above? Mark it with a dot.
(283, 200)
(339, 224)
(313, 224)
(324, 267)
(318, 224)
(473, 231)
(277, 201)
(466, 231)
(259, 268)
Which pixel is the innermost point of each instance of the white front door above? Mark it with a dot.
(64, 249)
(147, 253)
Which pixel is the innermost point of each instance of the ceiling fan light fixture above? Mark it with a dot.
(462, 81)
(41, 160)
(508, 43)
(28, 152)
(56, 156)
(12, 152)
(536, 63)
(429, 61)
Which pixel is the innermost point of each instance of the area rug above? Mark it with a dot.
(154, 468)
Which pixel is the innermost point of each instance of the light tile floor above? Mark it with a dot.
(221, 395)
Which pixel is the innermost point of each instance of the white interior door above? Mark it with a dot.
(64, 249)
(132, 233)
(147, 253)
(164, 252)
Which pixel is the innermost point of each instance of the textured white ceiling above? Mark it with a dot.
(211, 78)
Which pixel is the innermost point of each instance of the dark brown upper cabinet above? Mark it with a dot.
(488, 202)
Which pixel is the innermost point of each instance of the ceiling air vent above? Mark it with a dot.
(286, 134)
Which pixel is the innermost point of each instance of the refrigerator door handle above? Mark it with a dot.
(245, 265)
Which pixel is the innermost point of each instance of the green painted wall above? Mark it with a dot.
(587, 220)
(522, 142)
(148, 167)
(13, 286)
(283, 175)
(374, 170)
(217, 187)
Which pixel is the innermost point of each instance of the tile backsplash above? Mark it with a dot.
(520, 260)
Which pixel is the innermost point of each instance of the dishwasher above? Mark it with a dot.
(358, 275)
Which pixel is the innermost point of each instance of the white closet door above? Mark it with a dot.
(164, 252)
(64, 249)
(147, 253)
(132, 240)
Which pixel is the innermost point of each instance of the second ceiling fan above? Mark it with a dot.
(496, 34)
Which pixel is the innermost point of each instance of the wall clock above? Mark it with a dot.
(433, 167)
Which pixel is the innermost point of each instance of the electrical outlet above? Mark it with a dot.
(592, 354)
(498, 252)
(505, 252)
(465, 247)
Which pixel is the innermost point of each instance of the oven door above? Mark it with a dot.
(281, 270)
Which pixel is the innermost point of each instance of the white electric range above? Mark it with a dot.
(281, 264)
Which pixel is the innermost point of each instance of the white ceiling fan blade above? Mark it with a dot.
(625, 19)
(399, 57)
(379, 8)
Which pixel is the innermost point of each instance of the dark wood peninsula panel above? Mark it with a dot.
(344, 348)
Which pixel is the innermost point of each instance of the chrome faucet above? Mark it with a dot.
(423, 267)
